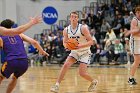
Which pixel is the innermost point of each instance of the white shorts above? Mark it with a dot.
(135, 46)
(81, 57)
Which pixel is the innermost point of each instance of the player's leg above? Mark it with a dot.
(6, 71)
(136, 52)
(134, 67)
(11, 85)
(69, 61)
(21, 67)
(83, 73)
(84, 60)
(1, 78)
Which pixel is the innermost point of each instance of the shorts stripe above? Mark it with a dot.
(131, 43)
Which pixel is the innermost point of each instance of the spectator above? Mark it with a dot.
(127, 21)
(127, 50)
(104, 28)
(118, 51)
(121, 35)
(97, 54)
(110, 35)
(109, 48)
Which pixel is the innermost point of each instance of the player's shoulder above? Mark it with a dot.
(66, 29)
(83, 26)
(135, 19)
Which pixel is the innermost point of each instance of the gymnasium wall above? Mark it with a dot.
(8, 9)
(1, 9)
(21, 10)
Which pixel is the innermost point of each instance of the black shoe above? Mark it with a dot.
(132, 81)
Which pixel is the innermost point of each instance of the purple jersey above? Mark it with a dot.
(13, 47)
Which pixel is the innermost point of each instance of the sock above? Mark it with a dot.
(57, 84)
(94, 80)
(131, 77)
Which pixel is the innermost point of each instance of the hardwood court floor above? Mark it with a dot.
(112, 79)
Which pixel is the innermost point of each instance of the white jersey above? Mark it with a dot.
(77, 34)
(138, 21)
(135, 40)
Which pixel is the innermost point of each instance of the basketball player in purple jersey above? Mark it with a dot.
(16, 61)
(14, 31)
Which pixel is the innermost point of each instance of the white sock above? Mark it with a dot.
(57, 84)
(94, 80)
(131, 77)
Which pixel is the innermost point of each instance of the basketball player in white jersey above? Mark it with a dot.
(14, 31)
(135, 35)
(80, 54)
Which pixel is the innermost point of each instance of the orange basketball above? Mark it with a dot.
(71, 44)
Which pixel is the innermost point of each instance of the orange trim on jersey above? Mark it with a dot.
(4, 66)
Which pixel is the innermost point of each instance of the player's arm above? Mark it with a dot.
(65, 36)
(87, 34)
(134, 28)
(34, 43)
(20, 29)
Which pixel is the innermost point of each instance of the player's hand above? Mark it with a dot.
(127, 33)
(36, 20)
(44, 53)
(67, 49)
(79, 46)
(64, 44)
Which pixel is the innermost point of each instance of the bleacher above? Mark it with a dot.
(95, 7)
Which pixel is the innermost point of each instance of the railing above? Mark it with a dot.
(37, 36)
(62, 23)
(54, 27)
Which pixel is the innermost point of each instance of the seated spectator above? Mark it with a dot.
(51, 48)
(109, 48)
(96, 50)
(127, 50)
(118, 51)
(121, 35)
(31, 49)
(97, 54)
(110, 35)
(33, 55)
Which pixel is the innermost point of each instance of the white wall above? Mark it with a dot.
(1, 10)
(8, 10)
(21, 10)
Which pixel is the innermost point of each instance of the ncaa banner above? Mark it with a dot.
(49, 15)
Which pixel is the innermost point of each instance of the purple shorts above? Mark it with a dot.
(17, 67)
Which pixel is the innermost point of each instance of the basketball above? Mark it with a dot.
(71, 44)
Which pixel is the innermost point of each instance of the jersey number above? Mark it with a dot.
(12, 40)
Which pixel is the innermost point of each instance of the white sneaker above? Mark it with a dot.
(92, 86)
(55, 89)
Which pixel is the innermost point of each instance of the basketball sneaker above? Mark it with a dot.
(92, 86)
(55, 89)
(132, 81)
